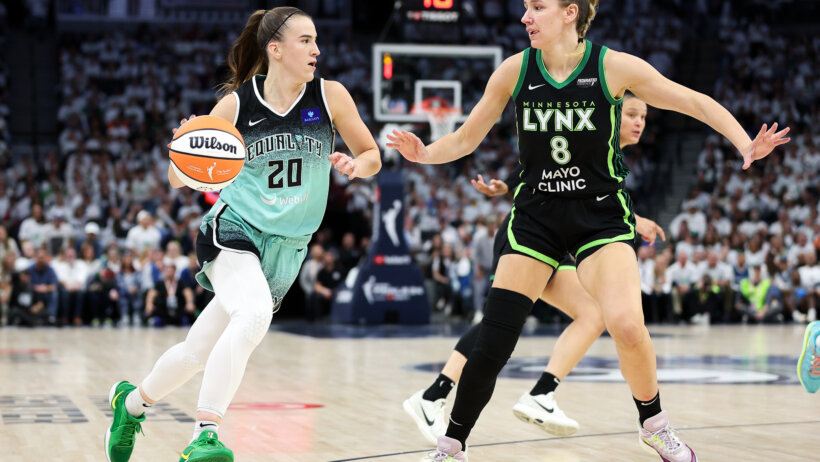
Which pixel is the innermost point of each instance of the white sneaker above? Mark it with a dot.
(799, 317)
(812, 316)
(543, 411)
(428, 415)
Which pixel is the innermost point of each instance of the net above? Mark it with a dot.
(440, 115)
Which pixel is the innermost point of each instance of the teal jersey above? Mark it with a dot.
(282, 189)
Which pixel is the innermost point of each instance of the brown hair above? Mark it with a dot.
(586, 13)
(248, 55)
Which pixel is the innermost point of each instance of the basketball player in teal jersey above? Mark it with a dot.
(563, 291)
(252, 241)
(567, 93)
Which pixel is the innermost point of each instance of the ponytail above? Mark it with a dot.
(586, 13)
(248, 55)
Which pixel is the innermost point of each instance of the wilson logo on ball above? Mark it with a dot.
(207, 153)
(198, 142)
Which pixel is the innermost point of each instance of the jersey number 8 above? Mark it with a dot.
(560, 151)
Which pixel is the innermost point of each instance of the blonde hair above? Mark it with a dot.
(248, 56)
(586, 13)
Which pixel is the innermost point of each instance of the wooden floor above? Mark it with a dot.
(731, 391)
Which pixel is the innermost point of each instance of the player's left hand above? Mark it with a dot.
(345, 165)
(493, 188)
(764, 142)
(649, 230)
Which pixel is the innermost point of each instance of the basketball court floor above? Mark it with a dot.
(334, 393)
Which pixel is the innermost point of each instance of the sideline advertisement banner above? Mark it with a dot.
(388, 286)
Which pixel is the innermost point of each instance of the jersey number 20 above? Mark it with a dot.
(293, 174)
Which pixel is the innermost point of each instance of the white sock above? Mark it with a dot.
(134, 403)
(204, 425)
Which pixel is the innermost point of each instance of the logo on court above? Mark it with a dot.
(311, 116)
(703, 370)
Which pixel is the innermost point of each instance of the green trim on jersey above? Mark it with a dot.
(565, 268)
(520, 248)
(522, 71)
(623, 237)
(581, 65)
(604, 86)
(614, 137)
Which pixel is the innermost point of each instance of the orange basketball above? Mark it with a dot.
(207, 153)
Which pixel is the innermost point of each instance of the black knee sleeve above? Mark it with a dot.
(503, 321)
(504, 317)
(467, 341)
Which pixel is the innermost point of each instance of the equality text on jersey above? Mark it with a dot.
(557, 116)
(283, 142)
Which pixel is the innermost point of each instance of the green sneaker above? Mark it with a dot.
(119, 438)
(206, 448)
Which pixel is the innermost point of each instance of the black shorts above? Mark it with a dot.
(501, 242)
(547, 227)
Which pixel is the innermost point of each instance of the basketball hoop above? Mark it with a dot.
(440, 115)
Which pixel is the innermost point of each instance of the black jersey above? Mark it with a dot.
(569, 132)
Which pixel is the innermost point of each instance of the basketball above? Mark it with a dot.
(207, 153)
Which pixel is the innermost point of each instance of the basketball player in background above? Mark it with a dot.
(563, 291)
(567, 93)
(252, 241)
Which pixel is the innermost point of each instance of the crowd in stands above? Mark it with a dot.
(745, 245)
(93, 235)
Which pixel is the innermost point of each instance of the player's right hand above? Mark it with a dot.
(494, 188)
(409, 145)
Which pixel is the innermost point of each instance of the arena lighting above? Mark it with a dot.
(387, 66)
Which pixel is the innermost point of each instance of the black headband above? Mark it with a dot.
(280, 26)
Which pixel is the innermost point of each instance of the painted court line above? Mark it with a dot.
(594, 435)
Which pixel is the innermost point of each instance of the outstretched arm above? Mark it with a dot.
(466, 139)
(627, 72)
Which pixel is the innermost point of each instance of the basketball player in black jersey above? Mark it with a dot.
(567, 93)
(538, 407)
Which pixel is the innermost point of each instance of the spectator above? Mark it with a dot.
(131, 297)
(310, 270)
(6, 273)
(145, 236)
(759, 299)
(694, 218)
(173, 257)
(25, 307)
(26, 258)
(7, 244)
(34, 227)
(349, 255)
(169, 303)
(91, 239)
(704, 304)
(72, 275)
(59, 233)
(483, 258)
(680, 279)
(188, 279)
(44, 282)
(327, 280)
(103, 297)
